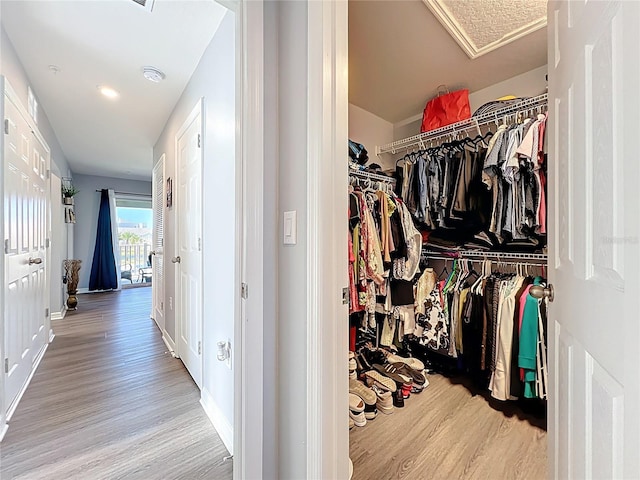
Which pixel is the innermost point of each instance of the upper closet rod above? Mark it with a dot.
(455, 128)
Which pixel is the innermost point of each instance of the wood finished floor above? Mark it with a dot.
(109, 402)
(446, 433)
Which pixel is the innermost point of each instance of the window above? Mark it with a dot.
(135, 222)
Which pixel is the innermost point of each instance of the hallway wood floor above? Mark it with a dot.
(109, 402)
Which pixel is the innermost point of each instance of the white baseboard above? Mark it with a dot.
(169, 343)
(59, 315)
(219, 421)
(12, 408)
(3, 431)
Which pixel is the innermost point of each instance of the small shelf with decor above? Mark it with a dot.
(68, 192)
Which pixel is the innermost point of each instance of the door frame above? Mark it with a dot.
(248, 354)
(198, 110)
(327, 446)
(3, 420)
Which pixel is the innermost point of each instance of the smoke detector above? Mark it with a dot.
(153, 74)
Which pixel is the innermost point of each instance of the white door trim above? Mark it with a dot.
(327, 169)
(248, 353)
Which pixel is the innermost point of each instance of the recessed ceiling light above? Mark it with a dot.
(152, 74)
(108, 92)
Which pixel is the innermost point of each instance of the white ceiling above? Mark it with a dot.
(107, 43)
(399, 53)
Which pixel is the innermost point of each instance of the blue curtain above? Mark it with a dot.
(103, 268)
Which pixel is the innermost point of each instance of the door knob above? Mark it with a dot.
(176, 259)
(538, 291)
(36, 261)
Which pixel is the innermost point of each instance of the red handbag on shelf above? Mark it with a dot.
(445, 109)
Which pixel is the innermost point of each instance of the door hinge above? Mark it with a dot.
(199, 348)
(6, 126)
(46, 313)
(244, 290)
(198, 140)
(6, 365)
(6, 246)
(199, 244)
(345, 296)
(47, 243)
(48, 174)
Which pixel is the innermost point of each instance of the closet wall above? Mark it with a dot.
(371, 130)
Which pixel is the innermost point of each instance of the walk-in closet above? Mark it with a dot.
(448, 260)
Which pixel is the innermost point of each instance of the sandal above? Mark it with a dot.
(361, 390)
(380, 381)
(392, 372)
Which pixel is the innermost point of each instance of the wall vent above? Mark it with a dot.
(146, 4)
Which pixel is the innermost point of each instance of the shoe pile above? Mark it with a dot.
(362, 400)
(392, 378)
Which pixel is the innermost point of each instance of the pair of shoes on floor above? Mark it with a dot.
(398, 398)
(418, 379)
(362, 391)
(356, 410)
(384, 400)
(352, 361)
(352, 366)
(370, 412)
(375, 378)
(411, 362)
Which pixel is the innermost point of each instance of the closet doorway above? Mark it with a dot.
(188, 260)
(593, 398)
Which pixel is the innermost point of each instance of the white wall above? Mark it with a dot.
(13, 70)
(527, 84)
(87, 206)
(213, 79)
(371, 131)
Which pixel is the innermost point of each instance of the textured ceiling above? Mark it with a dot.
(480, 26)
(399, 53)
(107, 43)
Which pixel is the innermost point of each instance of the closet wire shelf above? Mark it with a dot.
(371, 176)
(507, 257)
(455, 128)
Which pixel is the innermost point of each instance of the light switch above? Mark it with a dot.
(290, 228)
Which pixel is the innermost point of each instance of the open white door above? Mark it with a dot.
(189, 244)
(26, 216)
(157, 240)
(594, 99)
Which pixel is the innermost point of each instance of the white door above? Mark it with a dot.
(594, 99)
(26, 162)
(189, 260)
(157, 258)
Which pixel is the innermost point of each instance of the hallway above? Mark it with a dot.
(109, 401)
